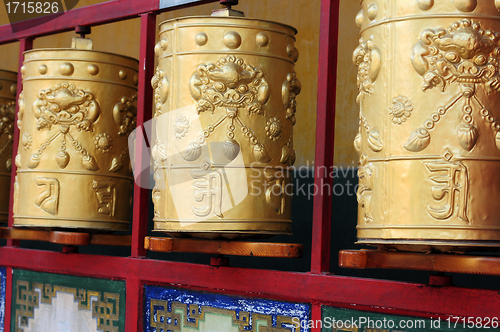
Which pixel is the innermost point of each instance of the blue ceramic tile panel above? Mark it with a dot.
(168, 309)
(3, 280)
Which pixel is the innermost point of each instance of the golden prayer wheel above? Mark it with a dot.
(75, 113)
(8, 86)
(429, 128)
(225, 90)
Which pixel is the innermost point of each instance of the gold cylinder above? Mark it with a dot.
(429, 130)
(225, 91)
(75, 113)
(8, 86)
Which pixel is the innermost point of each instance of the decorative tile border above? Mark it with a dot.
(168, 309)
(104, 299)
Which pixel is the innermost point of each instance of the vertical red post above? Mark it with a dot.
(134, 308)
(144, 113)
(8, 299)
(25, 44)
(316, 317)
(325, 131)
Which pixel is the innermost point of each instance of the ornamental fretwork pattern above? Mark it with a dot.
(104, 306)
(182, 316)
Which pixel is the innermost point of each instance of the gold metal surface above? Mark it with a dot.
(225, 107)
(76, 111)
(8, 86)
(429, 82)
(227, 12)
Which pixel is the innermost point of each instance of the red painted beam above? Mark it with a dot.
(359, 293)
(325, 134)
(102, 13)
(144, 113)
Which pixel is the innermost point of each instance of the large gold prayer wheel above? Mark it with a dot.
(225, 91)
(76, 111)
(429, 128)
(8, 85)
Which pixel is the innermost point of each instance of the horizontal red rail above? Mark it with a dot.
(405, 298)
(102, 13)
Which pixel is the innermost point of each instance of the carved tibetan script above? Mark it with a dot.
(449, 187)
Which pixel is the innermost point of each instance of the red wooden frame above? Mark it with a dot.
(325, 128)
(144, 113)
(317, 287)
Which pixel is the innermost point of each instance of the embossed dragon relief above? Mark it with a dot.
(7, 111)
(71, 109)
(233, 86)
(464, 54)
